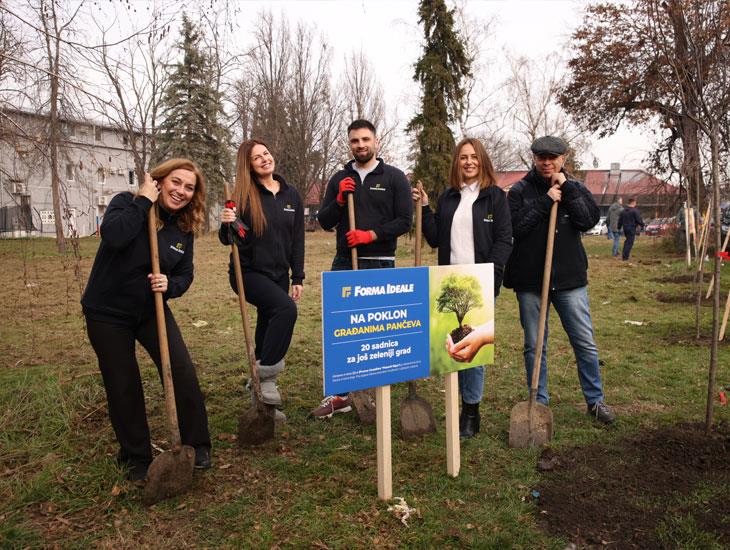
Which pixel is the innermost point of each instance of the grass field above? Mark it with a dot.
(315, 485)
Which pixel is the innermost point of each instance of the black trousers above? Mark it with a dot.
(628, 244)
(276, 314)
(114, 346)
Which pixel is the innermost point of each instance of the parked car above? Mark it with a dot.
(653, 227)
(661, 226)
(600, 228)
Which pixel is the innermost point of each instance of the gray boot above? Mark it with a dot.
(267, 376)
(279, 416)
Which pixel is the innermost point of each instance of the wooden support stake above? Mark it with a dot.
(712, 279)
(724, 319)
(385, 463)
(686, 235)
(704, 237)
(453, 444)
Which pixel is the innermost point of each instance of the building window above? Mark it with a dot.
(68, 130)
(69, 171)
(130, 177)
(47, 216)
(101, 176)
(97, 134)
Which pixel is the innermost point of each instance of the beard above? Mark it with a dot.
(364, 158)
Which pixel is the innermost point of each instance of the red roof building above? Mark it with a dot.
(654, 196)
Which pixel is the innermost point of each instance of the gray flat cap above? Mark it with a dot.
(549, 145)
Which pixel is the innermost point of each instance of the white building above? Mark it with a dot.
(95, 164)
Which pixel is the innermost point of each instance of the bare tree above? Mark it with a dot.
(533, 87)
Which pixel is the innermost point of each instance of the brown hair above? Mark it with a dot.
(192, 215)
(486, 177)
(245, 192)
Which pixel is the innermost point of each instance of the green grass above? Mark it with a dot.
(315, 486)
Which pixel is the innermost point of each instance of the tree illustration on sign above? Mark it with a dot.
(459, 294)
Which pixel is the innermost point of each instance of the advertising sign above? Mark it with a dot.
(383, 326)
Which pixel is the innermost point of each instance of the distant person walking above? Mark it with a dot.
(614, 212)
(629, 219)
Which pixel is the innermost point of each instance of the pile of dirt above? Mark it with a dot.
(620, 495)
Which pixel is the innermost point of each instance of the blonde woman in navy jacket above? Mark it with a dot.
(471, 225)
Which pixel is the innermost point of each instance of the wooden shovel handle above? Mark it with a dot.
(170, 407)
(537, 363)
(250, 352)
(351, 220)
(419, 224)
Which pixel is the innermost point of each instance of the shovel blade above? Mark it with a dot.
(256, 426)
(520, 435)
(416, 417)
(169, 475)
(364, 402)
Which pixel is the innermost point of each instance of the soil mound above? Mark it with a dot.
(657, 489)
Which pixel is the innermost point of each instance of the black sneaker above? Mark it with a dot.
(202, 458)
(136, 471)
(601, 412)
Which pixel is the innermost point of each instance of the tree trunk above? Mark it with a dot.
(53, 50)
(714, 138)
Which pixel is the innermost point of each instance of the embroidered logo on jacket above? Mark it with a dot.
(377, 188)
(489, 218)
(178, 248)
(288, 208)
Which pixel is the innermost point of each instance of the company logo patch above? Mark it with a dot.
(178, 248)
(377, 188)
(377, 290)
(489, 218)
(288, 208)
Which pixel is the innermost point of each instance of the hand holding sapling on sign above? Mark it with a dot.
(466, 349)
(459, 294)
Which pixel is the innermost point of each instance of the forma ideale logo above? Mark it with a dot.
(346, 291)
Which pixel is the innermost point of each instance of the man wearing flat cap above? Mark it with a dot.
(530, 202)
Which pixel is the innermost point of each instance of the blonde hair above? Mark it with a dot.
(192, 216)
(486, 176)
(245, 192)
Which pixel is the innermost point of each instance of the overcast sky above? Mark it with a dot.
(388, 31)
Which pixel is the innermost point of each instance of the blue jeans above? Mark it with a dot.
(575, 315)
(616, 236)
(471, 385)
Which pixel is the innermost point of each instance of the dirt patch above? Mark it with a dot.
(626, 494)
(688, 298)
(684, 278)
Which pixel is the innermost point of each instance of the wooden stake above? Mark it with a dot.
(712, 279)
(385, 461)
(724, 319)
(692, 228)
(453, 444)
(686, 235)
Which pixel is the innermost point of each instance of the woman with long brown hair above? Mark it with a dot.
(118, 304)
(471, 225)
(267, 225)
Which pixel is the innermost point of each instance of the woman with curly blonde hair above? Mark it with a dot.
(118, 304)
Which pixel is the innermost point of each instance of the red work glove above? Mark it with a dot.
(358, 236)
(347, 185)
(236, 229)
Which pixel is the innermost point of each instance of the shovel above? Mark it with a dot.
(416, 414)
(256, 426)
(363, 401)
(530, 422)
(171, 472)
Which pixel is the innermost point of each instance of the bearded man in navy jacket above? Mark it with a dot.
(383, 212)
